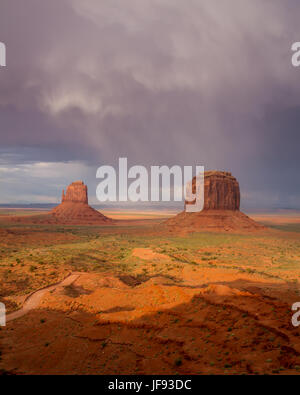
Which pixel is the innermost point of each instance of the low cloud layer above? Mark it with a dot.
(160, 82)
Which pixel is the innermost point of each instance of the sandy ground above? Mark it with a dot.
(100, 324)
(124, 300)
(277, 219)
(125, 214)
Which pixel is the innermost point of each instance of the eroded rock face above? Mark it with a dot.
(76, 192)
(221, 191)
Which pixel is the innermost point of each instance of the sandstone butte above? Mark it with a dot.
(74, 207)
(221, 210)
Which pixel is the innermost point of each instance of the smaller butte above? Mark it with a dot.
(74, 208)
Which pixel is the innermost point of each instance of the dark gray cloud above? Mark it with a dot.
(157, 81)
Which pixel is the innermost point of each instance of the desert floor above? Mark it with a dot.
(130, 299)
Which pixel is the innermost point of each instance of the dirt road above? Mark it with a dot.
(34, 299)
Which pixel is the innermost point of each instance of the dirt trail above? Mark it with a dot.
(34, 299)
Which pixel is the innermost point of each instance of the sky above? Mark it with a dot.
(161, 82)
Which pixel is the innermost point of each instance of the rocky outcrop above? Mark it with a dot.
(221, 208)
(74, 207)
(221, 191)
(76, 193)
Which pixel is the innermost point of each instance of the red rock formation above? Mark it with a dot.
(76, 193)
(221, 208)
(74, 207)
(221, 191)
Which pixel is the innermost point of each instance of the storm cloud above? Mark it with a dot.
(204, 82)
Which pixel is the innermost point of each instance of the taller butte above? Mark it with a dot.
(221, 210)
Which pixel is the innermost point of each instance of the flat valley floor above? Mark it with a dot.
(132, 299)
